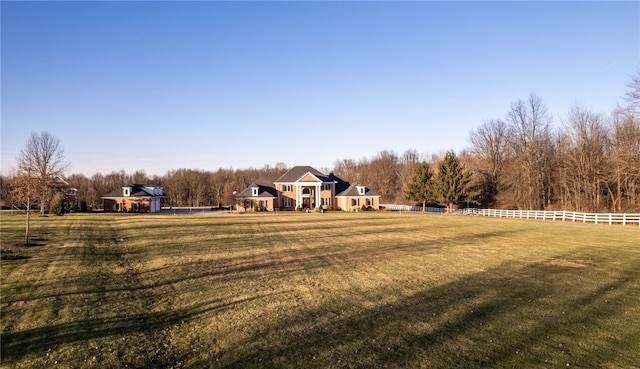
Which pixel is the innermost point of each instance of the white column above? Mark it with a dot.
(318, 195)
(298, 201)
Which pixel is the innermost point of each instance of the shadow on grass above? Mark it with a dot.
(10, 255)
(489, 319)
(19, 344)
(269, 264)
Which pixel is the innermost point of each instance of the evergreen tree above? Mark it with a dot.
(420, 188)
(59, 205)
(453, 183)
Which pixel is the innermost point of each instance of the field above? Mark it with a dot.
(368, 290)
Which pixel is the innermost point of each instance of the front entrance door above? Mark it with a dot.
(306, 202)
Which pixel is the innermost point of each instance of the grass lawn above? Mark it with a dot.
(368, 290)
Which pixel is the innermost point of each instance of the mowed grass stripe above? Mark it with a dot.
(330, 290)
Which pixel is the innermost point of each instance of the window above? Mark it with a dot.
(326, 201)
(306, 191)
(126, 191)
(254, 191)
(287, 188)
(247, 204)
(287, 202)
(116, 207)
(135, 207)
(361, 190)
(263, 204)
(369, 202)
(355, 202)
(326, 187)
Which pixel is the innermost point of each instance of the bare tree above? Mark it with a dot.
(348, 169)
(530, 149)
(489, 145)
(6, 191)
(382, 174)
(39, 162)
(85, 194)
(584, 159)
(624, 188)
(139, 177)
(408, 162)
(632, 96)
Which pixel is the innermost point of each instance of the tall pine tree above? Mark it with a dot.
(421, 186)
(453, 183)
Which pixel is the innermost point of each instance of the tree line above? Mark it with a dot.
(587, 161)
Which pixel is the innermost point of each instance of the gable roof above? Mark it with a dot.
(297, 172)
(352, 190)
(341, 184)
(265, 187)
(266, 184)
(136, 190)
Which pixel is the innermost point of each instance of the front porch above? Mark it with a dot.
(308, 196)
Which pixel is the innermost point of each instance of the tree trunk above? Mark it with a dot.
(27, 231)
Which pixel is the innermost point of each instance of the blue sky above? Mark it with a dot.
(159, 86)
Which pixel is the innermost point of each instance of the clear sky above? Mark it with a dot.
(159, 86)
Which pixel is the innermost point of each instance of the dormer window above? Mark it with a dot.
(361, 190)
(254, 191)
(127, 191)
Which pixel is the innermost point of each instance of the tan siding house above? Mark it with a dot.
(304, 187)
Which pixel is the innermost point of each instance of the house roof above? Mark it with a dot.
(353, 191)
(297, 172)
(266, 184)
(265, 188)
(341, 184)
(136, 190)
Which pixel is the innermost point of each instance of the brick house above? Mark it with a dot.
(134, 198)
(307, 188)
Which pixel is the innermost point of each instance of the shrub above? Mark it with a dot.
(59, 204)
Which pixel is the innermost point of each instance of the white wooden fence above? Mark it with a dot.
(561, 215)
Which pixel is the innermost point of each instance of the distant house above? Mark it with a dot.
(307, 188)
(71, 193)
(63, 186)
(134, 198)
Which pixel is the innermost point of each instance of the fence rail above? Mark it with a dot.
(561, 215)
(411, 208)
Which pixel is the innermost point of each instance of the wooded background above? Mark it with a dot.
(584, 161)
